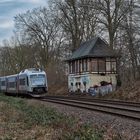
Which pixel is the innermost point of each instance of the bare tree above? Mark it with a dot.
(78, 22)
(41, 29)
(110, 14)
(130, 26)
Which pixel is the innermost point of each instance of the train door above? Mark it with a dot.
(23, 82)
(12, 84)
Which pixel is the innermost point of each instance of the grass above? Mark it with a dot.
(21, 120)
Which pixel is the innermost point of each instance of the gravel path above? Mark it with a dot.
(122, 128)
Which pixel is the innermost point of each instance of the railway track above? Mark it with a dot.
(130, 110)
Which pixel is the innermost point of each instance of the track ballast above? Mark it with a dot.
(130, 110)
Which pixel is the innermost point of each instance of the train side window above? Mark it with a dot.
(3, 83)
(22, 81)
(11, 84)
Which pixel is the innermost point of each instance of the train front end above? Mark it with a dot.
(37, 81)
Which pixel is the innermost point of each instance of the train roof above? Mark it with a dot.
(3, 77)
(11, 75)
(93, 48)
(32, 71)
(8, 76)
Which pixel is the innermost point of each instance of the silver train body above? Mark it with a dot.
(29, 81)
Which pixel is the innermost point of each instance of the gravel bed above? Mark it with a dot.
(113, 125)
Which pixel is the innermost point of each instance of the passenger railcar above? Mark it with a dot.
(29, 81)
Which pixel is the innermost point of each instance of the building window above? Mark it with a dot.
(73, 67)
(101, 65)
(95, 65)
(84, 65)
(113, 68)
(111, 65)
(108, 66)
(70, 67)
(76, 65)
(80, 66)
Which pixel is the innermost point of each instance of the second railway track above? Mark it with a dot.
(123, 109)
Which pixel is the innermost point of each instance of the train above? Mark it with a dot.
(31, 81)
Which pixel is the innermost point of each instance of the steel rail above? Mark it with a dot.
(115, 102)
(123, 112)
(98, 105)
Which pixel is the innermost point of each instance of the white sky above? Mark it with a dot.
(11, 8)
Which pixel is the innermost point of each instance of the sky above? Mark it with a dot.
(11, 8)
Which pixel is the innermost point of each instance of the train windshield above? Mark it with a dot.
(38, 79)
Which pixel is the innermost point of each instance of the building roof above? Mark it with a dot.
(95, 47)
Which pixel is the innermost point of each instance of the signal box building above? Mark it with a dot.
(91, 64)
